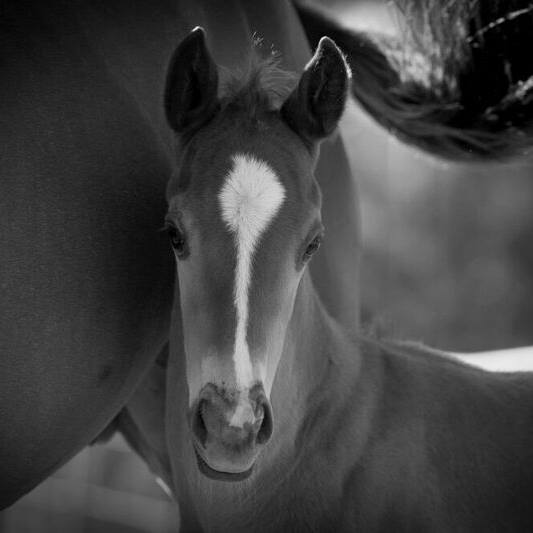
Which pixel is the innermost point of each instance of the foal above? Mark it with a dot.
(277, 419)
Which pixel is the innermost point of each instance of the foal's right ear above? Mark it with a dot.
(192, 84)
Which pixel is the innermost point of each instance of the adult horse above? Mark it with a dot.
(278, 418)
(85, 276)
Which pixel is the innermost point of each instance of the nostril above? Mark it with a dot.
(259, 418)
(198, 424)
(265, 431)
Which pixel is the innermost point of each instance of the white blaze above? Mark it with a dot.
(250, 198)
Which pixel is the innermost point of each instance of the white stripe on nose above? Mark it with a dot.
(249, 199)
(243, 412)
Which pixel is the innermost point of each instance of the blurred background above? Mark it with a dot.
(447, 254)
(447, 259)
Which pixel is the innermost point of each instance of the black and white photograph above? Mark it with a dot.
(266, 266)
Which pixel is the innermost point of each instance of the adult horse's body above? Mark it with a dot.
(85, 276)
(278, 417)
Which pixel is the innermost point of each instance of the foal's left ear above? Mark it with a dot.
(192, 84)
(314, 108)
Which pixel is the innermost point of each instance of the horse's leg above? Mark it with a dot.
(142, 421)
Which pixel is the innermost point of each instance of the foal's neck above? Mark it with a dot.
(317, 351)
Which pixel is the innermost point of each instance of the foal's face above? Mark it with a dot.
(243, 220)
(242, 233)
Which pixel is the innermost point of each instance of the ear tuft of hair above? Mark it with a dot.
(457, 84)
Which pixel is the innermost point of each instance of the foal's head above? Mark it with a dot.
(243, 220)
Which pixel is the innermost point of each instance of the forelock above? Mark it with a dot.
(262, 86)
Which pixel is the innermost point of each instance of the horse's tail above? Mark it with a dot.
(458, 83)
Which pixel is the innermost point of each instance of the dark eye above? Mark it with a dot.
(177, 239)
(312, 247)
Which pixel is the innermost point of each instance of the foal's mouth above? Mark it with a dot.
(217, 474)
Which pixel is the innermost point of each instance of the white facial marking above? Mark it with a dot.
(243, 411)
(250, 198)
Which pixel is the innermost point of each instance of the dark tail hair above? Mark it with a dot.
(473, 98)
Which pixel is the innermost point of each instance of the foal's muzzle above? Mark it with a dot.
(229, 428)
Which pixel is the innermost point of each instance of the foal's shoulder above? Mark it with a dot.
(424, 391)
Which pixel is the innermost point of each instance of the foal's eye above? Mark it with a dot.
(312, 247)
(177, 239)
